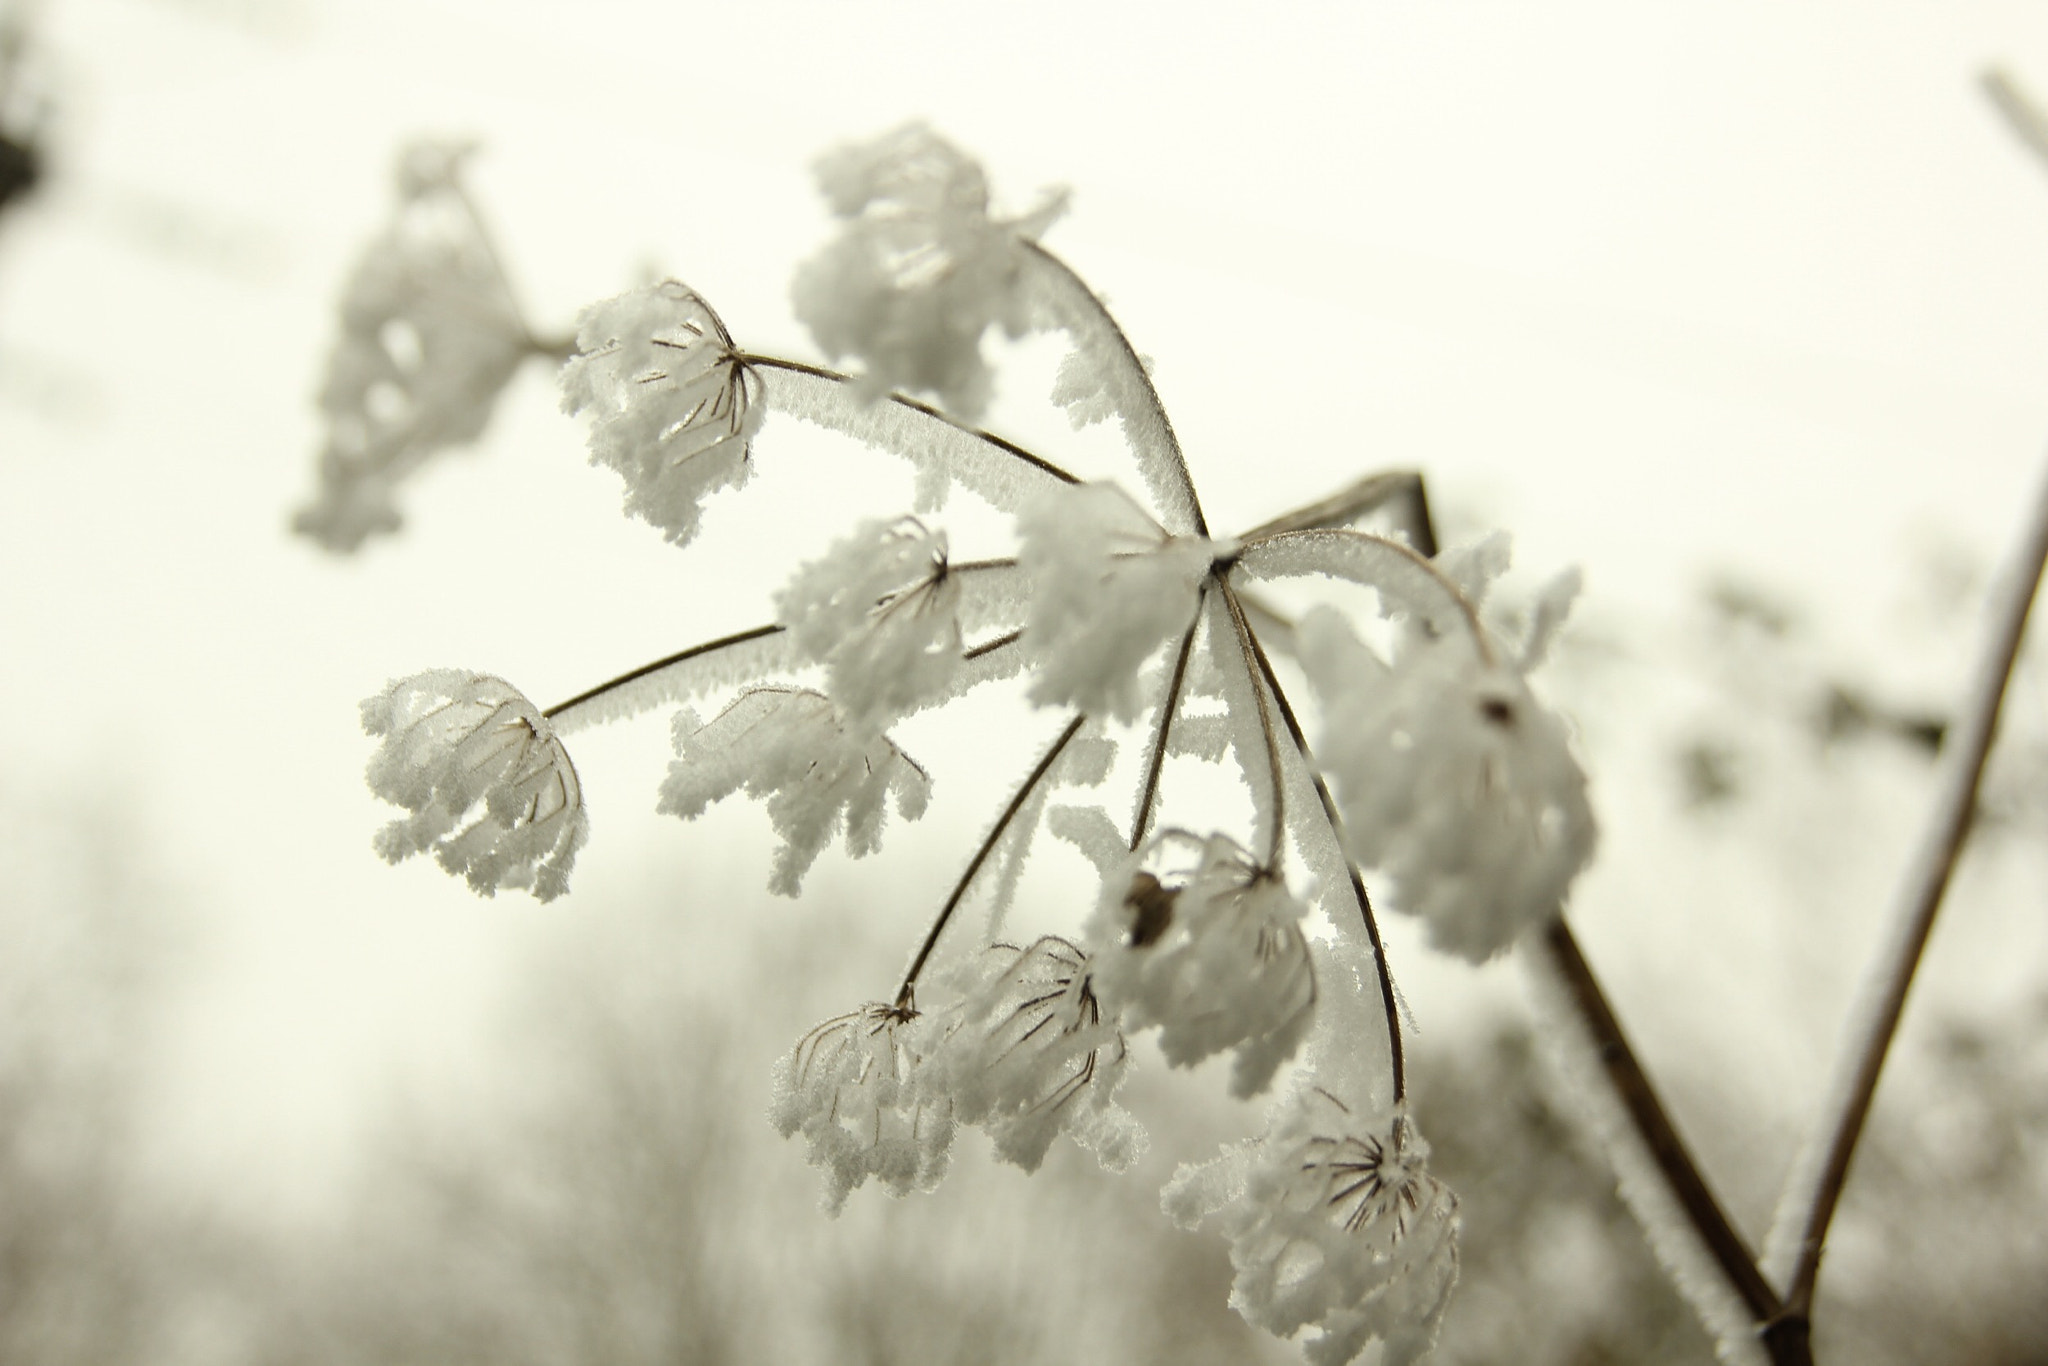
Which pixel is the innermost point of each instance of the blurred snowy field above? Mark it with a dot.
(1671, 292)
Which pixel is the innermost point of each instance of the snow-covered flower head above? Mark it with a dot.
(1108, 585)
(1028, 1053)
(1334, 1223)
(1455, 780)
(794, 748)
(849, 1085)
(920, 269)
(881, 611)
(490, 788)
(674, 409)
(1214, 956)
(430, 335)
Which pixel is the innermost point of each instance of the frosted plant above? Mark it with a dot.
(818, 774)
(1214, 956)
(491, 790)
(1434, 761)
(430, 336)
(852, 1086)
(1334, 1223)
(920, 270)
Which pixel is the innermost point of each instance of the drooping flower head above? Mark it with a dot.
(430, 335)
(1028, 1053)
(673, 407)
(490, 789)
(881, 611)
(818, 775)
(1214, 956)
(850, 1086)
(1334, 1223)
(1108, 586)
(1455, 780)
(920, 270)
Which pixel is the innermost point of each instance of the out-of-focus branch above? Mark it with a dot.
(1816, 1183)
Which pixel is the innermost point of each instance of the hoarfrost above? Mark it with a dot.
(794, 749)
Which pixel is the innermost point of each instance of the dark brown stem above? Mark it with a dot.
(1148, 794)
(1397, 1060)
(906, 998)
(1248, 647)
(1345, 506)
(1010, 448)
(1965, 752)
(634, 676)
(1653, 1125)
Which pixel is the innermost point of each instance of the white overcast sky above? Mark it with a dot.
(1665, 287)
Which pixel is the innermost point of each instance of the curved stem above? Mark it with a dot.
(1148, 794)
(1248, 648)
(680, 656)
(989, 438)
(1926, 880)
(1128, 361)
(1397, 1060)
(1425, 565)
(906, 994)
(1344, 506)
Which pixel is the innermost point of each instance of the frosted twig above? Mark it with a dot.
(906, 994)
(1247, 647)
(1148, 793)
(2027, 123)
(582, 700)
(1380, 563)
(1348, 504)
(1818, 1176)
(1397, 1063)
(1096, 333)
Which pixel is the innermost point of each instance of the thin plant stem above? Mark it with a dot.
(1425, 563)
(1926, 880)
(1156, 410)
(1010, 448)
(1653, 1125)
(679, 657)
(1397, 1059)
(1248, 648)
(1148, 792)
(1343, 507)
(906, 998)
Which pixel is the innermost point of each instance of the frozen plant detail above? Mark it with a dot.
(1435, 765)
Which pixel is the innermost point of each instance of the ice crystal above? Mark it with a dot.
(920, 270)
(491, 791)
(1334, 1224)
(818, 775)
(881, 611)
(1215, 957)
(674, 409)
(1028, 1053)
(1108, 587)
(430, 335)
(850, 1086)
(1455, 780)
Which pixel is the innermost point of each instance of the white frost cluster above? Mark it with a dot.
(881, 612)
(851, 1086)
(1216, 958)
(674, 409)
(1334, 1223)
(1108, 585)
(430, 335)
(818, 776)
(920, 270)
(1029, 1053)
(491, 791)
(1453, 779)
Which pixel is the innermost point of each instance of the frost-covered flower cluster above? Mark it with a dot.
(430, 336)
(1149, 643)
